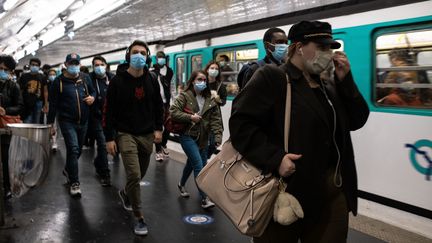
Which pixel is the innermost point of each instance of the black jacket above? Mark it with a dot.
(10, 98)
(100, 86)
(133, 105)
(257, 130)
(165, 80)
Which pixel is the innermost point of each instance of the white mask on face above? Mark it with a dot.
(322, 61)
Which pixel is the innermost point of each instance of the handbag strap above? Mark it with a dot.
(287, 113)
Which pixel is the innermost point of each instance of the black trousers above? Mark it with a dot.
(331, 225)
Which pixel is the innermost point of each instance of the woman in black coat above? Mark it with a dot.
(319, 168)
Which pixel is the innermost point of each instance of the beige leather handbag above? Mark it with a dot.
(239, 189)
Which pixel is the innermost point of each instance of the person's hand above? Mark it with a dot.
(45, 109)
(89, 100)
(342, 65)
(111, 148)
(157, 136)
(52, 130)
(195, 118)
(287, 166)
(2, 111)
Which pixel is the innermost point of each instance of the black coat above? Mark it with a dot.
(257, 130)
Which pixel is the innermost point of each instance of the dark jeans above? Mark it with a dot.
(73, 135)
(196, 159)
(5, 144)
(35, 114)
(101, 160)
(165, 133)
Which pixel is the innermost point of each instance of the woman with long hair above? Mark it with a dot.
(195, 107)
(218, 94)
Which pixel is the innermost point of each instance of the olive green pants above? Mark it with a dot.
(135, 152)
(330, 226)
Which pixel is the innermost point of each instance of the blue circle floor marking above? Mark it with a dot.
(199, 219)
(144, 183)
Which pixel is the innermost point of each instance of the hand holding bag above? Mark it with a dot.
(6, 119)
(239, 189)
(176, 127)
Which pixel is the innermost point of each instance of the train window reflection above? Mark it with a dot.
(180, 74)
(231, 61)
(196, 63)
(404, 69)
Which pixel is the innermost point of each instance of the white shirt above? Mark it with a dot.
(161, 89)
(200, 99)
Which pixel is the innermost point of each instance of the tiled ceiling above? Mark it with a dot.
(139, 19)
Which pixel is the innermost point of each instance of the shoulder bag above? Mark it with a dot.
(239, 189)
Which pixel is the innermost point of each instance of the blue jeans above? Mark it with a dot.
(196, 159)
(35, 114)
(101, 160)
(73, 135)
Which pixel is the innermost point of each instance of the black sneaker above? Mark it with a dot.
(125, 200)
(141, 227)
(183, 191)
(206, 203)
(105, 181)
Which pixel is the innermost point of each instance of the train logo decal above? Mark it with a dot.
(421, 148)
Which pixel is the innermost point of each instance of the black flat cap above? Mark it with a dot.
(315, 31)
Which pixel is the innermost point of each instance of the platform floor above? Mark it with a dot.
(49, 214)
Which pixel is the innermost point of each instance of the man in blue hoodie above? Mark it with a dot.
(70, 98)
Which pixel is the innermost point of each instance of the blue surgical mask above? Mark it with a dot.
(161, 61)
(100, 70)
(34, 69)
(200, 86)
(51, 77)
(222, 63)
(138, 61)
(4, 75)
(73, 69)
(280, 52)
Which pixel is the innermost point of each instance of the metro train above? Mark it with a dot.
(394, 149)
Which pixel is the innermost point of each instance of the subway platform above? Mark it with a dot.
(49, 214)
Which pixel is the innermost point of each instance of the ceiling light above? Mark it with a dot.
(9, 4)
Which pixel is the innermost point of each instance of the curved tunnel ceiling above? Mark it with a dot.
(141, 19)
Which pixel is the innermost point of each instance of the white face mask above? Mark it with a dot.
(322, 61)
(213, 73)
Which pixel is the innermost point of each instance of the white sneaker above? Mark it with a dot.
(54, 147)
(75, 190)
(159, 157)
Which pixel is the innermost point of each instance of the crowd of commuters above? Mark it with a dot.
(125, 114)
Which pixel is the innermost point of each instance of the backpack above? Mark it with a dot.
(248, 67)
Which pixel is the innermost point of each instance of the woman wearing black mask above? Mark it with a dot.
(319, 167)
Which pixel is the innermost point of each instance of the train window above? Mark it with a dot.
(196, 62)
(404, 69)
(231, 61)
(180, 73)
